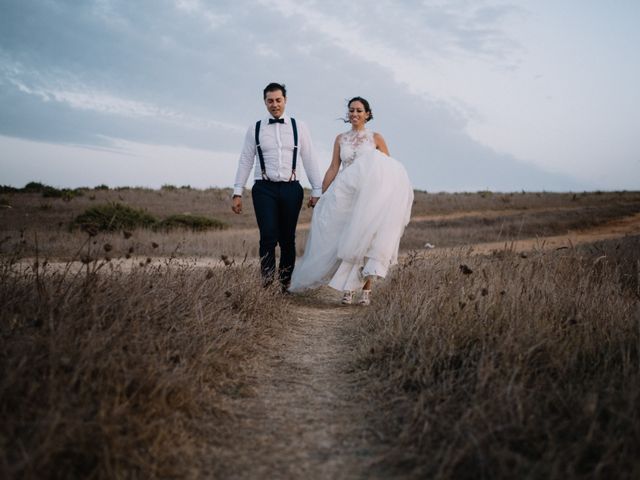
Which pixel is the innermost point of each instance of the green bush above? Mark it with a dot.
(115, 216)
(192, 222)
(34, 187)
(101, 187)
(8, 189)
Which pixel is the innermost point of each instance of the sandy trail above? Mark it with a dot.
(305, 419)
(614, 229)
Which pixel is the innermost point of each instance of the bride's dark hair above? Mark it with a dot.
(364, 102)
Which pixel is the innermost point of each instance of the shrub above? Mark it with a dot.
(115, 216)
(8, 189)
(168, 187)
(101, 187)
(34, 187)
(192, 222)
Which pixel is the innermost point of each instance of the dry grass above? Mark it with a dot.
(527, 367)
(112, 374)
(446, 203)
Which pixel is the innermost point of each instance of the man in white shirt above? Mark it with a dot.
(275, 145)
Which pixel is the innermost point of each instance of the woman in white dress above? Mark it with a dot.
(360, 217)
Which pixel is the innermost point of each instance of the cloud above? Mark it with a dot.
(189, 74)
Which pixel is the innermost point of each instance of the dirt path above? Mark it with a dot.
(306, 419)
(615, 229)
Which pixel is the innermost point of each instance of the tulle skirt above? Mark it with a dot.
(357, 225)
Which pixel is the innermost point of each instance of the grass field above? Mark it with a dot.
(142, 363)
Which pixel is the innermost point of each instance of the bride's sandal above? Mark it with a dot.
(365, 299)
(347, 297)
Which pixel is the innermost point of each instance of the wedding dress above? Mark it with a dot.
(358, 222)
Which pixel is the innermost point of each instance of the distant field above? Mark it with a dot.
(436, 217)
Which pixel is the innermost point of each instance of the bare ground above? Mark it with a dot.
(305, 419)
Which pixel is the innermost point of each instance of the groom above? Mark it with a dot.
(277, 143)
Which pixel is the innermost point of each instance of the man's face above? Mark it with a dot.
(275, 103)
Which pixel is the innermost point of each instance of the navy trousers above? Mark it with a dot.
(277, 206)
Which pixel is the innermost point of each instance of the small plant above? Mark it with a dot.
(4, 203)
(101, 187)
(115, 216)
(191, 222)
(168, 187)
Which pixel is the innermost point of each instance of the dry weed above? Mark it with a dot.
(113, 374)
(510, 367)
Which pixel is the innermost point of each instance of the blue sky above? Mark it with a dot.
(470, 95)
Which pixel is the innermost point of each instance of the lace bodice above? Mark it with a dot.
(353, 144)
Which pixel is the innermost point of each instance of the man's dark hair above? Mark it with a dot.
(272, 87)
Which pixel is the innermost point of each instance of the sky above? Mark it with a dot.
(535, 95)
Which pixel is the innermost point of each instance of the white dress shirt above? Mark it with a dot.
(276, 141)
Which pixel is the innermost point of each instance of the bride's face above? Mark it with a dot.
(357, 114)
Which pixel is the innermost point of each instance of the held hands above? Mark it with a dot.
(312, 201)
(236, 204)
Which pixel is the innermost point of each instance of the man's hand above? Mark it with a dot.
(312, 201)
(236, 204)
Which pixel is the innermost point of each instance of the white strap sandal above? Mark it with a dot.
(347, 297)
(365, 299)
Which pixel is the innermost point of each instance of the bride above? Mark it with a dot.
(360, 217)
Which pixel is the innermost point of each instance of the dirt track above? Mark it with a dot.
(304, 419)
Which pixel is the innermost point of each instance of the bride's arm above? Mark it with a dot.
(332, 171)
(381, 144)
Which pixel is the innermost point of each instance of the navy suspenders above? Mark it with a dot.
(295, 151)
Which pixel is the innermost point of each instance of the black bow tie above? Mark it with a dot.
(276, 120)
